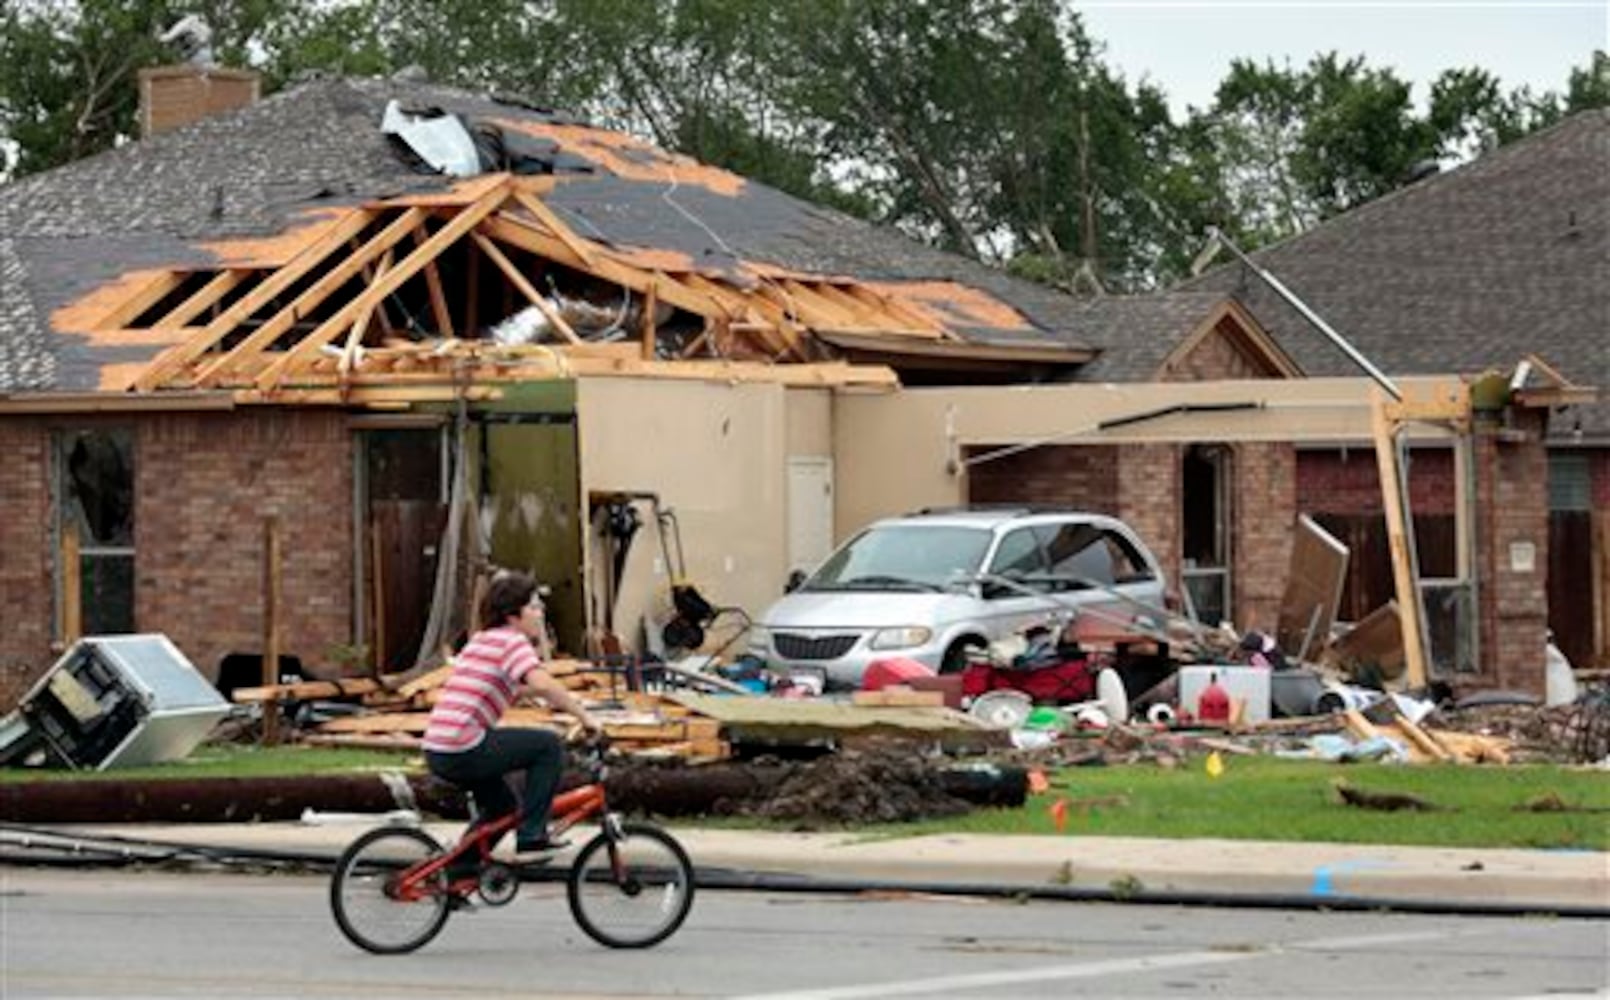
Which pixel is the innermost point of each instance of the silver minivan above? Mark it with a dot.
(928, 586)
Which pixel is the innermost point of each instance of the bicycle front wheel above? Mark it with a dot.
(363, 893)
(633, 891)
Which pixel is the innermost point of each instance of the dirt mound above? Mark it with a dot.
(880, 785)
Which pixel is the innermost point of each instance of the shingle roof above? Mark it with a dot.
(252, 171)
(1464, 271)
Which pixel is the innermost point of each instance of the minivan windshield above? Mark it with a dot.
(903, 557)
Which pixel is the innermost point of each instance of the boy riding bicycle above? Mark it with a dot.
(462, 742)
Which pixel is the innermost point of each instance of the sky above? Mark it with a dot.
(1185, 46)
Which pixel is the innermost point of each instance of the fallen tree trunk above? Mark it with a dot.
(674, 791)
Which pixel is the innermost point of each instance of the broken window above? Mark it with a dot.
(1205, 518)
(95, 515)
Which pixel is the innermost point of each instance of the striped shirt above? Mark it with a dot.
(486, 676)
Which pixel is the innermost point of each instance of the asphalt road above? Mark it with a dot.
(84, 933)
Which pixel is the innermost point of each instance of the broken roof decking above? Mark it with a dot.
(217, 204)
(307, 308)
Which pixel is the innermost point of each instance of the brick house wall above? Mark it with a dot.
(1052, 476)
(1265, 517)
(1348, 481)
(26, 563)
(1512, 518)
(204, 485)
(1215, 357)
(1148, 500)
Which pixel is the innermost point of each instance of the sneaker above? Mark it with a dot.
(528, 852)
(459, 904)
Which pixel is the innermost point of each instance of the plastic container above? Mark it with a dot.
(1250, 685)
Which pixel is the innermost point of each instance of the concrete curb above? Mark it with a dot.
(1316, 874)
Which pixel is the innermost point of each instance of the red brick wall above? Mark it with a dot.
(1346, 481)
(27, 605)
(1148, 500)
(1512, 492)
(1265, 517)
(1085, 478)
(205, 483)
(1599, 473)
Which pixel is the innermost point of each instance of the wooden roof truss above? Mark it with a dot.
(403, 293)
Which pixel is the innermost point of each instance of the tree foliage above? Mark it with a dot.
(994, 128)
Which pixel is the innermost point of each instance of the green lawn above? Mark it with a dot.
(1264, 798)
(1255, 798)
(238, 761)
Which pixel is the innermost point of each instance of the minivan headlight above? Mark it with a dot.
(900, 638)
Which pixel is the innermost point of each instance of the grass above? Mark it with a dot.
(237, 761)
(1255, 798)
(1262, 798)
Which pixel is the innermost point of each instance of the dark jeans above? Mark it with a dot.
(480, 771)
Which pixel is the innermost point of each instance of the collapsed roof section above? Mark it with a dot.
(424, 294)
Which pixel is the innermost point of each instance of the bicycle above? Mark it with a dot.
(630, 886)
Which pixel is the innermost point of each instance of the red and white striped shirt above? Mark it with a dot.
(486, 676)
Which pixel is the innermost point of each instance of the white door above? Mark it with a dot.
(810, 512)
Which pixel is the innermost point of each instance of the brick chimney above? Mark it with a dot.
(173, 96)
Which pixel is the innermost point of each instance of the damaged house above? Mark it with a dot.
(278, 380)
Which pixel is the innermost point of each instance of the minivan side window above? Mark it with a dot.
(1018, 555)
(1089, 552)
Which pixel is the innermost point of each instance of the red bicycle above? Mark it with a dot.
(630, 886)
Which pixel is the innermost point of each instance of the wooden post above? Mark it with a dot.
(1386, 459)
(72, 586)
(377, 590)
(650, 307)
(271, 626)
(472, 284)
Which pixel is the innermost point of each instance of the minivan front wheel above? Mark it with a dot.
(955, 660)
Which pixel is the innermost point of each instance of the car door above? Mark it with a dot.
(1019, 556)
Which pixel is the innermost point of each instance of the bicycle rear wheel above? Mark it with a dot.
(363, 899)
(633, 891)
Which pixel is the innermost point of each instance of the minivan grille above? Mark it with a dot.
(804, 647)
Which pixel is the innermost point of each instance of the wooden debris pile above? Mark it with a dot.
(389, 713)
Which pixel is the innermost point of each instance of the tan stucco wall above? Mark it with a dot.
(895, 452)
(715, 454)
(810, 422)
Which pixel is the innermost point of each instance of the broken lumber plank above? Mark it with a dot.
(362, 741)
(426, 682)
(350, 687)
(894, 697)
(1421, 740)
(389, 722)
(1359, 726)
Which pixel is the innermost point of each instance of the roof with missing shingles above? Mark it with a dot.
(255, 171)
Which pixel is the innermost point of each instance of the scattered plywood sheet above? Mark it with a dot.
(1313, 589)
(817, 721)
(1375, 641)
